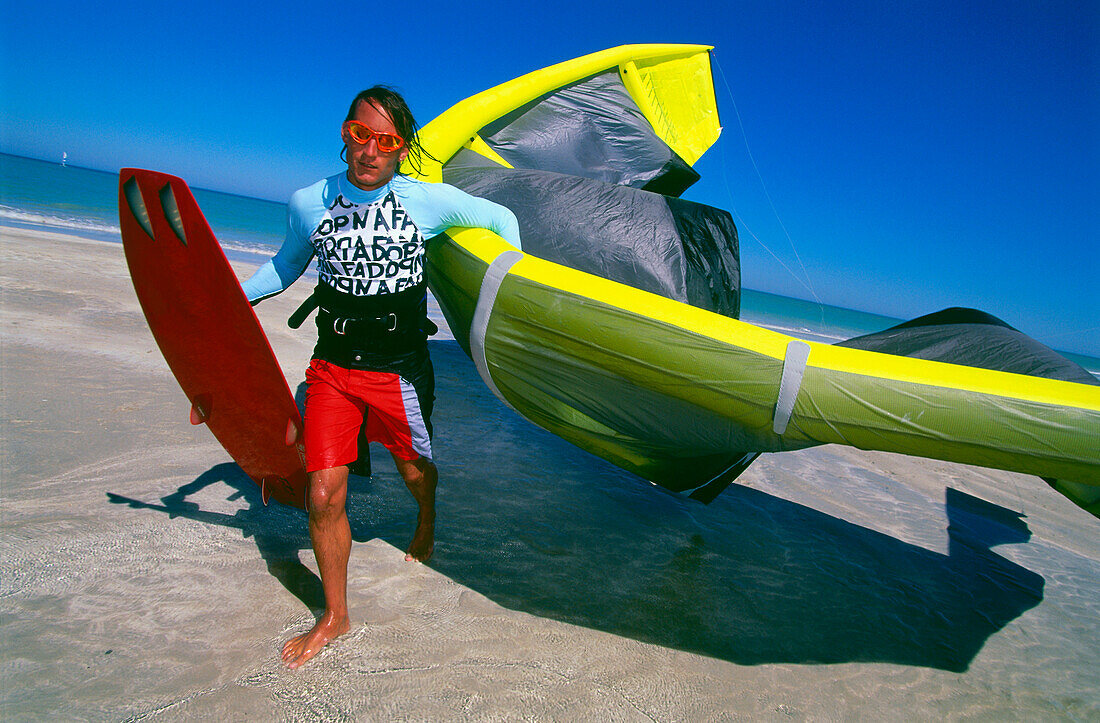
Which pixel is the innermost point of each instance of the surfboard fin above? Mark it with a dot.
(292, 432)
(172, 212)
(136, 203)
(274, 483)
(200, 409)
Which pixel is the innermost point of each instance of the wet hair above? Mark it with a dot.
(397, 109)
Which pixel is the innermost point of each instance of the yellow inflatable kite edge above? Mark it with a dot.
(487, 246)
(676, 95)
(665, 68)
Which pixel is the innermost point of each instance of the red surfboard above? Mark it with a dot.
(209, 334)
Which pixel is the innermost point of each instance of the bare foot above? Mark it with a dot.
(297, 651)
(423, 543)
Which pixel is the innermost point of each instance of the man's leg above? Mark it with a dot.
(420, 477)
(361, 465)
(331, 535)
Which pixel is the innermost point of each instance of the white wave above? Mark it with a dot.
(75, 223)
(798, 331)
(247, 247)
(91, 225)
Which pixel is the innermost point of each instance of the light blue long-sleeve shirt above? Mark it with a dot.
(371, 242)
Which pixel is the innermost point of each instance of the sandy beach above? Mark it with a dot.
(142, 578)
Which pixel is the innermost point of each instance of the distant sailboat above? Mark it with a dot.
(64, 159)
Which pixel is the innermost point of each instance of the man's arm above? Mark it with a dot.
(479, 213)
(287, 265)
(445, 206)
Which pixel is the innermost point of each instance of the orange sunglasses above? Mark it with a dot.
(361, 133)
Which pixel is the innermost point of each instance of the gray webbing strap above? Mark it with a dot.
(794, 366)
(479, 326)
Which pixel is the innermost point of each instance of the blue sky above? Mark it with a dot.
(894, 157)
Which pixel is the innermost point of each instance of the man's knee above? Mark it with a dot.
(328, 491)
(419, 472)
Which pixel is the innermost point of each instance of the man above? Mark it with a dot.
(370, 368)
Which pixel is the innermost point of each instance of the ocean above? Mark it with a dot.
(41, 194)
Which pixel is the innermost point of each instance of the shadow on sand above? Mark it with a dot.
(279, 532)
(540, 527)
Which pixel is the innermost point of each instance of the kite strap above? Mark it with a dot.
(479, 325)
(303, 311)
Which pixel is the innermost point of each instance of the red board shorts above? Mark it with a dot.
(340, 402)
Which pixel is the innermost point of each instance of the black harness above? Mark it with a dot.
(349, 325)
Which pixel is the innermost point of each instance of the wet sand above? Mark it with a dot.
(141, 577)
